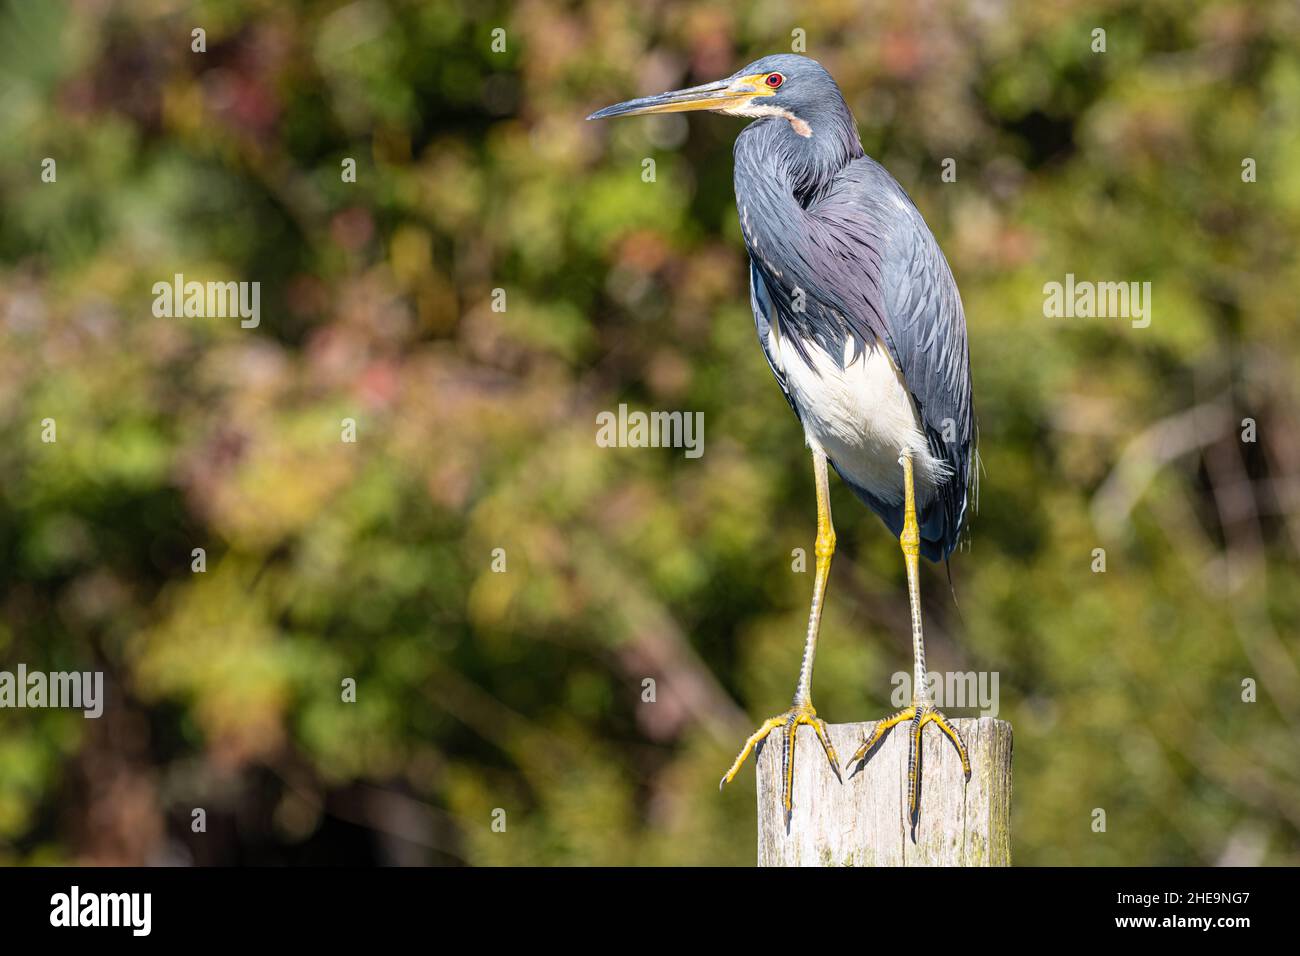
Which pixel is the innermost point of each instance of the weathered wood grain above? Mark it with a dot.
(863, 821)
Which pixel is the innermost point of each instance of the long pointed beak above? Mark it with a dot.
(710, 96)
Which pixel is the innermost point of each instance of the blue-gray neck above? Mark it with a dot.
(773, 147)
(780, 176)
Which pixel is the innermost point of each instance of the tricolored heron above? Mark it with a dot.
(860, 320)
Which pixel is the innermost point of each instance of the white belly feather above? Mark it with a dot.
(861, 416)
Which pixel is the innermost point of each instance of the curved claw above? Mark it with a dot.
(824, 736)
(919, 720)
(754, 739)
(942, 723)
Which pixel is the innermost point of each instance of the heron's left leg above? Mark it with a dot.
(922, 710)
(801, 710)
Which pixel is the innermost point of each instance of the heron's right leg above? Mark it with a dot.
(922, 711)
(801, 710)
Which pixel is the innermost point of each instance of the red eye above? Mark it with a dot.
(774, 80)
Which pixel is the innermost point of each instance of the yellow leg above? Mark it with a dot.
(922, 710)
(801, 710)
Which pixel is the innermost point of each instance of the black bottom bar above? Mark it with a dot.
(328, 906)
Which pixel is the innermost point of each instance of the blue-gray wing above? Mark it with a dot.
(928, 337)
(760, 299)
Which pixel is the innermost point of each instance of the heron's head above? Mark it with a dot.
(786, 85)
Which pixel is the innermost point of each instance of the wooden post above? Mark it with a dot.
(863, 821)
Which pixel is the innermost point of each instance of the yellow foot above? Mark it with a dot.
(919, 715)
(789, 722)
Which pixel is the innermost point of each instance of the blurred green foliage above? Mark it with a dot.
(522, 690)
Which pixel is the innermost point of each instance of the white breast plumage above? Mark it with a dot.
(861, 415)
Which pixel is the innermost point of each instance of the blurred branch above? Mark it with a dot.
(1153, 448)
(656, 635)
(1248, 578)
(394, 815)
